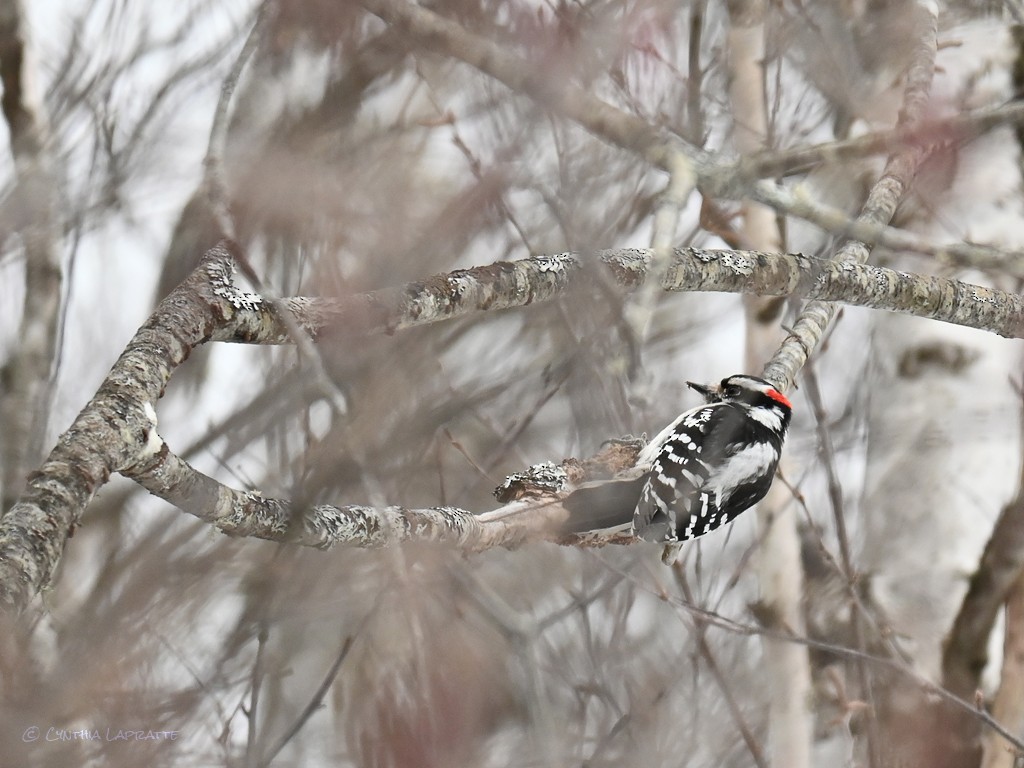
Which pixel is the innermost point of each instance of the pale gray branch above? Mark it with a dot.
(510, 284)
(25, 385)
(116, 431)
(878, 209)
(773, 163)
(216, 187)
(250, 513)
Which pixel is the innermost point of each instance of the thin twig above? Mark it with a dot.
(252, 713)
(700, 629)
(904, 669)
(775, 163)
(312, 706)
(216, 185)
(217, 191)
(695, 80)
(851, 577)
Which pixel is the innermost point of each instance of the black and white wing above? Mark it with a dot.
(705, 470)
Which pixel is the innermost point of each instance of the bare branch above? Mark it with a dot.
(700, 630)
(1008, 706)
(116, 431)
(509, 284)
(850, 575)
(906, 670)
(602, 119)
(314, 704)
(716, 178)
(216, 187)
(25, 376)
(773, 163)
(217, 192)
(250, 513)
(111, 433)
(965, 652)
(640, 309)
(879, 208)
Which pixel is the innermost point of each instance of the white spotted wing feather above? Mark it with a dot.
(710, 464)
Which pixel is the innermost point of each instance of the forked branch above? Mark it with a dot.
(116, 431)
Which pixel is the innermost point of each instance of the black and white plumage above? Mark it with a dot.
(701, 471)
(713, 462)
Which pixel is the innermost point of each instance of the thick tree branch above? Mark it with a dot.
(250, 513)
(510, 284)
(116, 431)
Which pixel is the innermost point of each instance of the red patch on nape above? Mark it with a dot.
(778, 397)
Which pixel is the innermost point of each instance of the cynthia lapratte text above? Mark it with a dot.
(34, 733)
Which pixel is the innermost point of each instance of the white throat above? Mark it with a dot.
(770, 416)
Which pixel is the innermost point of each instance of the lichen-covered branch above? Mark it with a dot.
(510, 284)
(113, 432)
(497, 286)
(250, 513)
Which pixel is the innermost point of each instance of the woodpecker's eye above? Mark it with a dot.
(731, 390)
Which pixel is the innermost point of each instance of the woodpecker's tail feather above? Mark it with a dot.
(603, 504)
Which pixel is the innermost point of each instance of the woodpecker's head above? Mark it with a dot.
(767, 404)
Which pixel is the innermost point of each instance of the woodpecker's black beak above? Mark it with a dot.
(707, 391)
